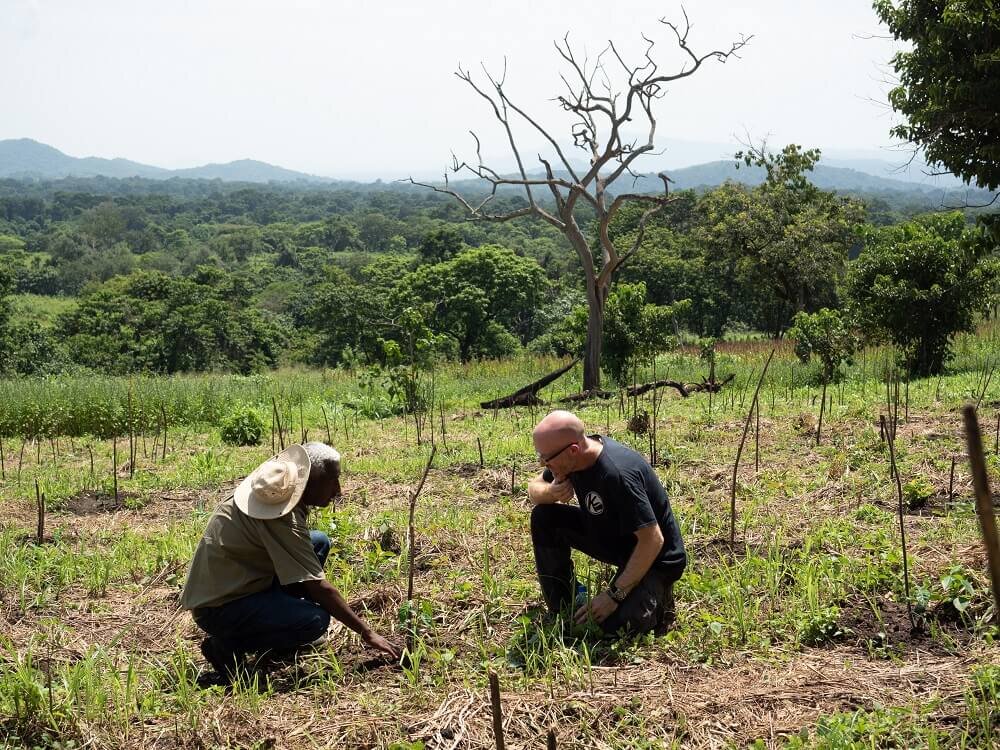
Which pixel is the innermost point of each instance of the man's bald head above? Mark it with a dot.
(557, 429)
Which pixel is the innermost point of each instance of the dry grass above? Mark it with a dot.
(467, 515)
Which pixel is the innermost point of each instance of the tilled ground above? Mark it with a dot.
(472, 534)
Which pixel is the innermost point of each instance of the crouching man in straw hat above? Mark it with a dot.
(623, 518)
(256, 583)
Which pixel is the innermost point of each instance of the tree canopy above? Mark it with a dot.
(919, 283)
(949, 82)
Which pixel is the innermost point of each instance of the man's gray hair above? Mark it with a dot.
(323, 458)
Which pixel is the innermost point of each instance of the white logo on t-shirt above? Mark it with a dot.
(594, 503)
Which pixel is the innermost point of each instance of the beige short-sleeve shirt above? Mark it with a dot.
(239, 555)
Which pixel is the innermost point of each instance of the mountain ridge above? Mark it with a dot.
(25, 158)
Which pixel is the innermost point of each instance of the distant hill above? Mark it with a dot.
(823, 176)
(26, 158)
(23, 157)
(245, 170)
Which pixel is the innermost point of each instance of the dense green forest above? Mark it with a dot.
(139, 275)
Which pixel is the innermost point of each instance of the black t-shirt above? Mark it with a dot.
(620, 494)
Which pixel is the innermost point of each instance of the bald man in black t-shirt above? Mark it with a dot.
(623, 518)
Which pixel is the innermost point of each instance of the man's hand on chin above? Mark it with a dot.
(599, 608)
(562, 490)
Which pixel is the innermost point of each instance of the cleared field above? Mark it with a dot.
(797, 635)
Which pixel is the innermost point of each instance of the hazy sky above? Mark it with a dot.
(355, 89)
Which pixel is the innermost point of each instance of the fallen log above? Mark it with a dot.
(527, 396)
(705, 386)
(587, 395)
(685, 389)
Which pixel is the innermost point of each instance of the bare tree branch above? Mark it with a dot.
(604, 98)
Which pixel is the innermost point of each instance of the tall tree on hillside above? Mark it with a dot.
(607, 99)
(785, 237)
(949, 82)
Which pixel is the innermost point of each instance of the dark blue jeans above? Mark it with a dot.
(271, 620)
(557, 530)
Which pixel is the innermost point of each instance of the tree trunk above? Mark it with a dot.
(596, 298)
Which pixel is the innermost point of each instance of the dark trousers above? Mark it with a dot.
(276, 619)
(558, 529)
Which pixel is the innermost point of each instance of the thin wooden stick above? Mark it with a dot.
(497, 710)
(3, 469)
(756, 438)
(131, 438)
(550, 741)
(163, 415)
(984, 500)
(329, 440)
(413, 506)
(20, 461)
(479, 442)
(277, 419)
(114, 465)
(739, 452)
(822, 406)
(40, 504)
(951, 481)
(902, 527)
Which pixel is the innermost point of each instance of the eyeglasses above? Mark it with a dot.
(546, 459)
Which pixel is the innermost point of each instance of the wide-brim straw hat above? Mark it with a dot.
(276, 486)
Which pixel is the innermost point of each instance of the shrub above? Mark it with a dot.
(917, 492)
(825, 335)
(917, 284)
(242, 427)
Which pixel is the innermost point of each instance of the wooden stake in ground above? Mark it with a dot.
(902, 526)
(550, 741)
(410, 537)
(497, 710)
(3, 469)
(114, 465)
(20, 461)
(277, 421)
(479, 442)
(984, 501)
(329, 440)
(131, 438)
(822, 408)
(163, 415)
(951, 481)
(756, 437)
(40, 505)
(411, 553)
(739, 451)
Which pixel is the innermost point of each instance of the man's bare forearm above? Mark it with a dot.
(325, 595)
(648, 545)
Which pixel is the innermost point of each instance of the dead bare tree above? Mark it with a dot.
(603, 98)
